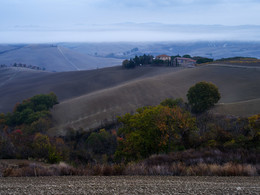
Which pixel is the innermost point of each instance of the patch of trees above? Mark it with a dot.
(154, 130)
(186, 56)
(201, 60)
(31, 110)
(23, 66)
(137, 61)
(23, 132)
(144, 60)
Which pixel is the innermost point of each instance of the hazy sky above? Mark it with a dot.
(35, 17)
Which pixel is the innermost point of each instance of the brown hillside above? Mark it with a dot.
(88, 111)
(17, 84)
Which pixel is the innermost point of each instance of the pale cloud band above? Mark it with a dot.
(86, 15)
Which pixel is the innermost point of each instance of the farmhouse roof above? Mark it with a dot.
(163, 55)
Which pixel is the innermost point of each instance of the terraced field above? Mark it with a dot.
(130, 185)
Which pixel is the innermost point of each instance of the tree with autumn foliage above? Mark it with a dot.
(154, 130)
(43, 148)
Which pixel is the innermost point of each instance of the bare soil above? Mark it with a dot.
(130, 185)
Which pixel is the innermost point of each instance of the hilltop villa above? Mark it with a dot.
(163, 57)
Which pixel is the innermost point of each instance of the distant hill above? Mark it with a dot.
(61, 57)
(52, 57)
(210, 49)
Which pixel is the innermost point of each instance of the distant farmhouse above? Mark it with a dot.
(178, 61)
(163, 57)
(186, 62)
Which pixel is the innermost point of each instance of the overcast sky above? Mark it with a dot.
(70, 16)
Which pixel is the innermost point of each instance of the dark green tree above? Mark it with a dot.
(101, 142)
(203, 96)
(186, 56)
(172, 102)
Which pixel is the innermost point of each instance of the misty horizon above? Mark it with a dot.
(41, 21)
(130, 32)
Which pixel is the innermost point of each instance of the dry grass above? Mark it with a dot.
(241, 108)
(35, 169)
(62, 169)
(243, 61)
(66, 85)
(206, 156)
(201, 169)
(141, 168)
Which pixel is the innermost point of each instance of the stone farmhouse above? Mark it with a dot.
(163, 57)
(178, 61)
(186, 62)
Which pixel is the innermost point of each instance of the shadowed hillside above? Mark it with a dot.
(17, 84)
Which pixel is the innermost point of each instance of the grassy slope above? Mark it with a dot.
(93, 109)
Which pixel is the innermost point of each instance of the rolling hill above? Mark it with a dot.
(53, 58)
(210, 49)
(239, 88)
(89, 99)
(17, 84)
(61, 57)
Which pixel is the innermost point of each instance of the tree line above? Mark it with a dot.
(151, 60)
(23, 66)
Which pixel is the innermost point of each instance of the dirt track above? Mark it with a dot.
(130, 185)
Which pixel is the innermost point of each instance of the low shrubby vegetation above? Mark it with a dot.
(168, 139)
(240, 61)
(238, 58)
